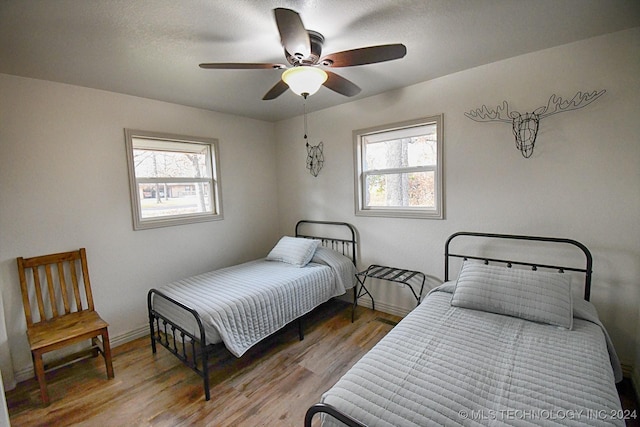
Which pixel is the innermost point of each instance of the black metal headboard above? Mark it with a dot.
(587, 270)
(346, 246)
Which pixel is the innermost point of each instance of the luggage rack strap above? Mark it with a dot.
(391, 274)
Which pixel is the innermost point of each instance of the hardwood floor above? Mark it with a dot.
(272, 385)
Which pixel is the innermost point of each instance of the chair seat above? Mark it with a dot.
(63, 330)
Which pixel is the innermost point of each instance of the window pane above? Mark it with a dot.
(401, 190)
(421, 150)
(399, 169)
(174, 179)
(169, 199)
(172, 164)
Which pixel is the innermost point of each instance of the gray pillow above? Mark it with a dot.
(297, 251)
(538, 296)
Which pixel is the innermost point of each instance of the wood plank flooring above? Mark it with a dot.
(272, 385)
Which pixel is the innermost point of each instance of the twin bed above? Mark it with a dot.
(505, 343)
(499, 345)
(238, 306)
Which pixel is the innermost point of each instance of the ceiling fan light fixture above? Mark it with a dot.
(304, 80)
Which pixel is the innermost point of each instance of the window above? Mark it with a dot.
(173, 179)
(399, 169)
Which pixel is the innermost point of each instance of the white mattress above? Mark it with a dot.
(444, 365)
(242, 304)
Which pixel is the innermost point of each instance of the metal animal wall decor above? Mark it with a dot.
(525, 126)
(315, 158)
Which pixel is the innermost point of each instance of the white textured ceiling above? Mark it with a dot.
(152, 48)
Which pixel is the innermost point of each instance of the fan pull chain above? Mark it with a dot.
(304, 106)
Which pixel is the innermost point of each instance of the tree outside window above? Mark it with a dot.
(399, 169)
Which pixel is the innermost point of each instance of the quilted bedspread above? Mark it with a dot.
(245, 303)
(444, 365)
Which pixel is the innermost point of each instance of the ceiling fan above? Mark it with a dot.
(303, 50)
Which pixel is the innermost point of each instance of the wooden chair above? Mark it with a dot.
(65, 313)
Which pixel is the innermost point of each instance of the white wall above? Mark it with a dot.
(582, 182)
(64, 185)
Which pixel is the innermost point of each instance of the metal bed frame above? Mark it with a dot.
(587, 271)
(192, 350)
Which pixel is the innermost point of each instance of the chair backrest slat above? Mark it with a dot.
(63, 288)
(39, 299)
(52, 292)
(76, 289)
(56, 287)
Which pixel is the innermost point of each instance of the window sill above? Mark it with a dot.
(396, 213)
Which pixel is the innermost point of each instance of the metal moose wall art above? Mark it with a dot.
(525, 126)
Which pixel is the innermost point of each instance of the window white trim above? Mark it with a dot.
(178, 143)
(394, 131)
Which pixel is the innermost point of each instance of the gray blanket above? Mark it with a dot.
(444, 365)
(243, 304)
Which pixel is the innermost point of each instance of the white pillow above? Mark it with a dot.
(539, 296)
(297, 251)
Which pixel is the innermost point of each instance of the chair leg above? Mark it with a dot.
(39, 368)
(107, 353)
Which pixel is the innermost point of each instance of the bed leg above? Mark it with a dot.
(300, 329)
(151, 320)
(152, 336)
(205, 373)
(355, 303)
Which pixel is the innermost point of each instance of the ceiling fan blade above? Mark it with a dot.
(277, 90)
(293, 35)
(241, 66)
(341, 85)
(365, 55)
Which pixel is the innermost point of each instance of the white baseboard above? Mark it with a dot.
(129, 336)
(114, 341)
(380, 306)
(385, 308)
